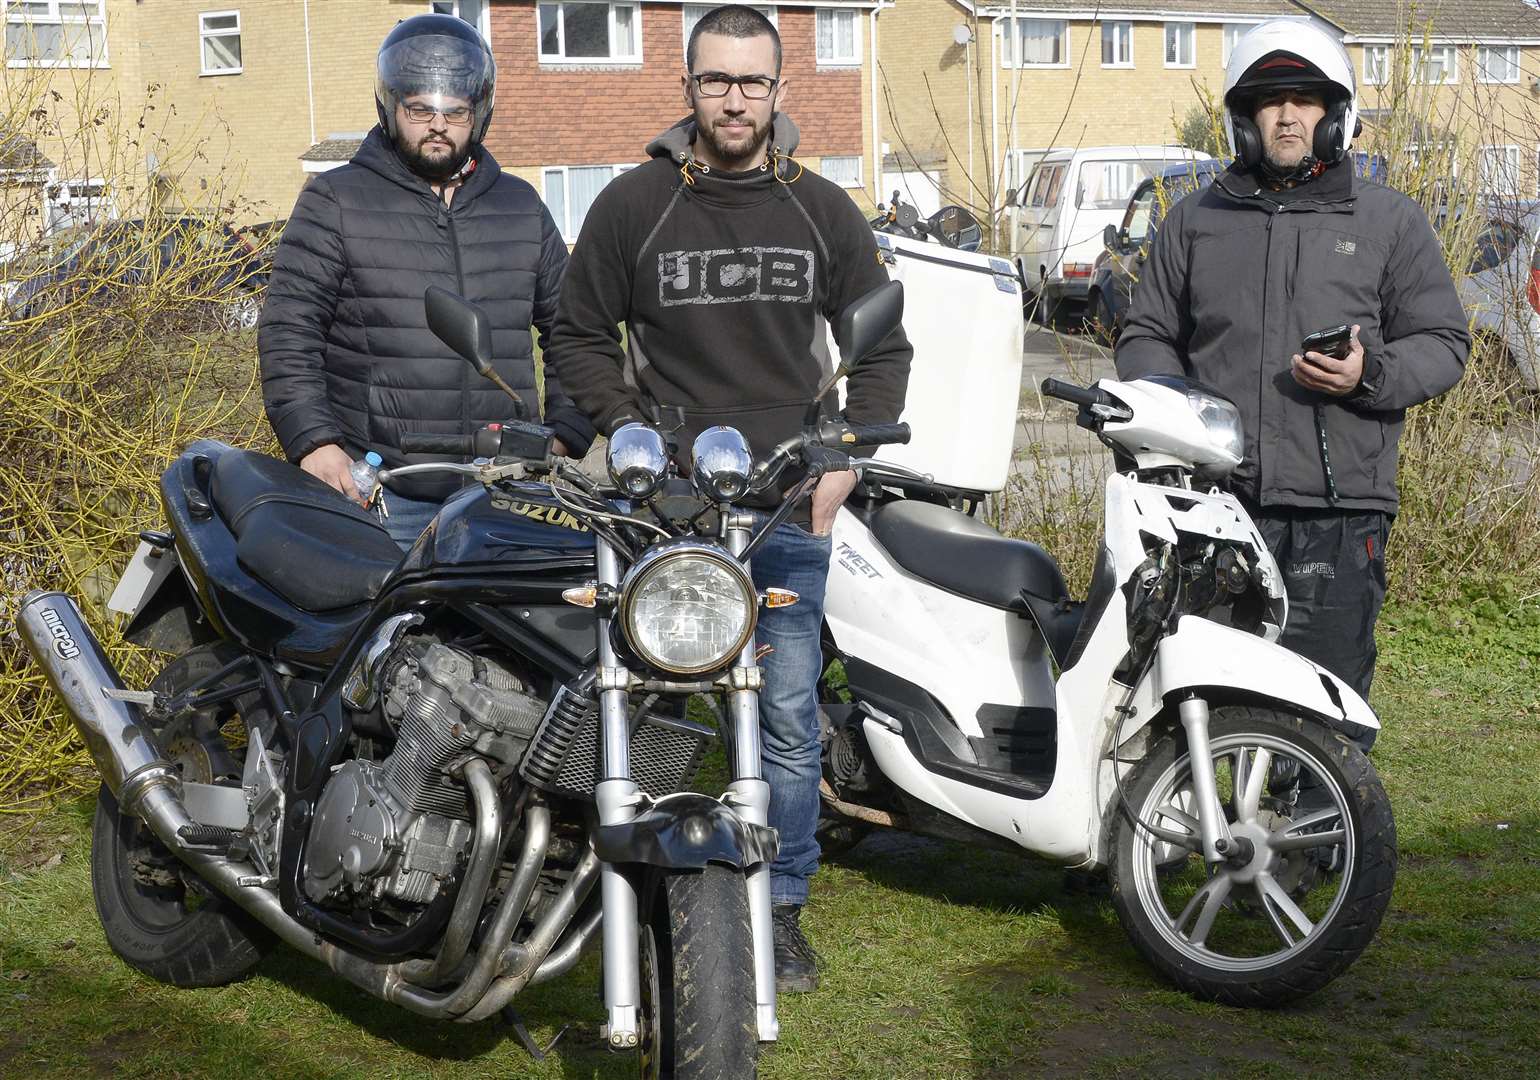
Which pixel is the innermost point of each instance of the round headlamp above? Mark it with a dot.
(687, 608)
(723, 462)
(638, 460)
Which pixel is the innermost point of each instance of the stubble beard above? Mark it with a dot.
(741, 153)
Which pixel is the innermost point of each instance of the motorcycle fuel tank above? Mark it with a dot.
(522, 528)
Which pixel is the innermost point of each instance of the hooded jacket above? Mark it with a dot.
(345, 349)
(725, 283)
(1239, 276)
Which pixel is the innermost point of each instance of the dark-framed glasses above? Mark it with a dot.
(718, 83)
(457, 116)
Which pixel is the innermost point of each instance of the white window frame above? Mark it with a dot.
(483, 25)
(767, 10)
(1122, 30)
(1514, 55)
(204, 34)
(1239, 30)
(108, 207)
(1192, 45)
(545, 171)
(1515, 160)
(852, 59)
(590, 61)
(19, 17)
(1420, 66)
(858, 183)
(1009, 48)
(1371, 52)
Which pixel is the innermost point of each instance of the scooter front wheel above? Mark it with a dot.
(1311, 866)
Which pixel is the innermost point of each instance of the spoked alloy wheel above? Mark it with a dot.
(1312, 877)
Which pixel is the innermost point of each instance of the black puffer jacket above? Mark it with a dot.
(346, 353)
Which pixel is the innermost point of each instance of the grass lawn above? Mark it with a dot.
(941, 961)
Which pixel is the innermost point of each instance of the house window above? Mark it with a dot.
(582, 32)
(1233, 32)
(570, 190)
(1497, 171)
(844, 171)
(475, 12)
(1179, 45)
(219, 41)
(694, 12)
(1435, 65)
(55, 33)
(1376, 65)
(839, 37)
(1497, 64)
(1038, 43)
(76, 203)
(1118, 44)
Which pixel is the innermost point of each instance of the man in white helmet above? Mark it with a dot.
(1286, 243)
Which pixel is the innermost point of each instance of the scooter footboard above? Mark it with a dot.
(1205, 656)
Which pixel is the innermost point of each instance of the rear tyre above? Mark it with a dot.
(1299, 907)
(156, 913)
(697, 1014)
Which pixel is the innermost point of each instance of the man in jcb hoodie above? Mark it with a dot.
(724, 260)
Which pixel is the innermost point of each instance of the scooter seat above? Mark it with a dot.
(954, 552)
(298, 536)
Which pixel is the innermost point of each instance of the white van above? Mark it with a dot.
(1067, 203)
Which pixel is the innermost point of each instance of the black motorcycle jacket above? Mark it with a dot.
(345, 349)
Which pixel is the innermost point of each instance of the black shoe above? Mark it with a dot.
(796, 964)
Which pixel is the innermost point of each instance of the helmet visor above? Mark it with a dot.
(437, 71)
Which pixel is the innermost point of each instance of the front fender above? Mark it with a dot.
(685, 832)
(1203, 655)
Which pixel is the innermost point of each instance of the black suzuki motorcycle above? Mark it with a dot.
(446, 776)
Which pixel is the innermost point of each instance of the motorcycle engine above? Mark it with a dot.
(401, 827)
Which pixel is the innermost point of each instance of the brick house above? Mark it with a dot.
(280, 90)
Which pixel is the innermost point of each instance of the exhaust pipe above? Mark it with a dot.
(79, 671)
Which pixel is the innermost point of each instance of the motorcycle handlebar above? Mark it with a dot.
(880, 434)
(1077, 395)
(421, 443)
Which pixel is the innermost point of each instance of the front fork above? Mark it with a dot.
(619, 800)
(1213, 828)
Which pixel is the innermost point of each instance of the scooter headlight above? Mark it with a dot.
(687, 608)
(1222, 421)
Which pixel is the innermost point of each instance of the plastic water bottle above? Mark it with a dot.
(366, 475)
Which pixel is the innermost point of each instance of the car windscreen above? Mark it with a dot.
(1106, 185)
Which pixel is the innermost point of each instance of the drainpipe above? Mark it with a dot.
(309, 80)
(876, 123)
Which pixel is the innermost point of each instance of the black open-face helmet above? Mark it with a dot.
(435, 55)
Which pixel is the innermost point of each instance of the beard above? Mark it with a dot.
(430, 158)
(734, 150)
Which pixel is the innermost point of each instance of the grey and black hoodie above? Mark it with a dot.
(724, 283)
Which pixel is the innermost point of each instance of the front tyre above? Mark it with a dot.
(697, 979)
(1319, 847)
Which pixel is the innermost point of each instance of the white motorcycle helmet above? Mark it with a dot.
(1292, 54)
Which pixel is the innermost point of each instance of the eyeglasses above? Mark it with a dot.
(458, 116)
(718, 83)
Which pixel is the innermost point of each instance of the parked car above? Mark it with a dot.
(1501, 286)
(1126, 244)
(1064, 207)
(222, 275)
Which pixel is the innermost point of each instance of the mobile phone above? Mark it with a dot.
(1333, 342)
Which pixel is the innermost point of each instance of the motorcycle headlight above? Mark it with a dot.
(638, 460)
(687, 608)
(1222, 421)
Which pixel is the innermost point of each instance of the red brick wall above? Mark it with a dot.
(606, 115)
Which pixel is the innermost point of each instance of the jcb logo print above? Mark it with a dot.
(732, 275)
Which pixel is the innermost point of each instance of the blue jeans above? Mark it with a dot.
(795, 559)
(408, 517)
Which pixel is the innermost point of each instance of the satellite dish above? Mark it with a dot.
(961, 34)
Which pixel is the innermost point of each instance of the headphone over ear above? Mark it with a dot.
(1331, 139)
(1248, 140)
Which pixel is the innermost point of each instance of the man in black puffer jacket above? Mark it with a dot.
(348, 362)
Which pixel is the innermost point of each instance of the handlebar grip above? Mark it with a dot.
(422, 443)
(1078, 395)
(880, 434)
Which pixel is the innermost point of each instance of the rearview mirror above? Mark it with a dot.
(868, 321)
(957, 227)
(461, 325)
(1110, 238)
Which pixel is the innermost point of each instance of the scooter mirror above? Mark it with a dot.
(957, 227)
(868, 321)
(461, 325)
(1110, 238)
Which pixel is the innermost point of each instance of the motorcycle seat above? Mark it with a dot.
(298, 536)
(954, 552)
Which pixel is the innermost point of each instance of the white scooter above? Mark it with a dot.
(1155, 729)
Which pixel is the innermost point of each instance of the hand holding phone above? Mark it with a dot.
(1330, 361)
(1335, 342)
